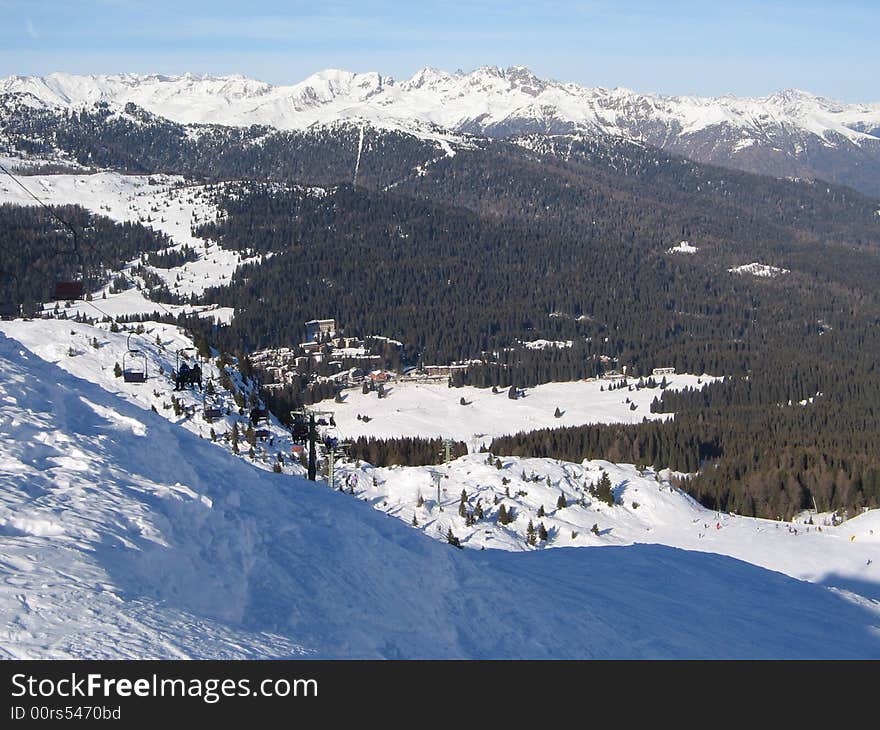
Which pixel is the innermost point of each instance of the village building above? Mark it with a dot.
(318, 330)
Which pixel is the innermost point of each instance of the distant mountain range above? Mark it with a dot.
(787, 134)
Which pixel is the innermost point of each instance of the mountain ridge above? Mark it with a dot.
(60, 89)
(790, 133)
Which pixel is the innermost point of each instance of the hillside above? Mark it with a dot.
(791, 133)
(464, 253)
(125, 535)
(435, 410)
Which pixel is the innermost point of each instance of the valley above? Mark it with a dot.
(600, 362)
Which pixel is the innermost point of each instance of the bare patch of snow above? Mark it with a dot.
(760, 270)
(683, 247)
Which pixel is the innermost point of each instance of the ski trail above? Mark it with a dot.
(357, 163)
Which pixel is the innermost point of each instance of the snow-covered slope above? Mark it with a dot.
(485, 100)
(92, 351)
(166, 203)
(762, 271)
(647, 509)
(432, 410)
(124, 535)
(791, 133)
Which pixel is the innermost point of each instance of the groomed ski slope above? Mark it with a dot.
(124, 535)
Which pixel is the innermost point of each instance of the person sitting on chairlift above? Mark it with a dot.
(195, 375)
(183, 377)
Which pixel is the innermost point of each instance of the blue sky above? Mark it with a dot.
(745, 48)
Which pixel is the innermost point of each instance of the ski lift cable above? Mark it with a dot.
(76, 251)
(73, 231)
(69, 226)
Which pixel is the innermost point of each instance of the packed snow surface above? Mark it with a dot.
(647, 508)
(125, 534)
(434, 410)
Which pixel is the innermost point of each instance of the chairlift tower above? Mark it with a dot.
(333, 453)
(447, 450)
(437, 476)
(314, 417)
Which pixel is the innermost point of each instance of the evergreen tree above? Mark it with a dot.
(604, 491)
(505, 516)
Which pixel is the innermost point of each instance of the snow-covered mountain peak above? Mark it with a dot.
(488, 99)
(428, 77)
(325, 86)
(790, 133)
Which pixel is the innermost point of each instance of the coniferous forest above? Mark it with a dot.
(549, 238)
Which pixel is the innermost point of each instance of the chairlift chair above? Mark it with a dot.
(134, 364)
(300, 429)
(211, 406)
(75, 288)
(69, 290)
(182, 351)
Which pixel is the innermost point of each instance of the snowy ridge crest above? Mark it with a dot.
(487, 100)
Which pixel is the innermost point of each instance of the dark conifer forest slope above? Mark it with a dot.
(461, 256)
(36, 249)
